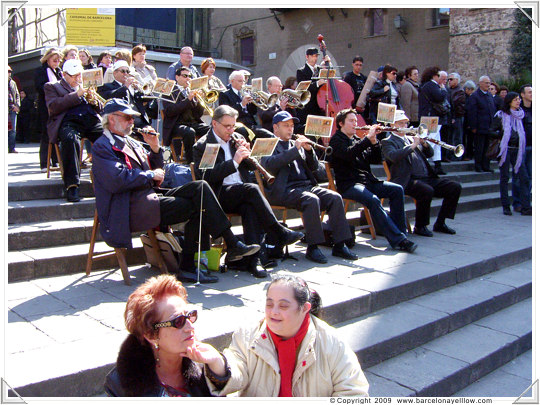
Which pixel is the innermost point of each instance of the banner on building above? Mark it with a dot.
(90, 26)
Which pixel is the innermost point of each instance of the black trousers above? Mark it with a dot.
(187, 134)
(481, 142)
(247, 200)
(423, 190)
(70, 134)
(183, 204)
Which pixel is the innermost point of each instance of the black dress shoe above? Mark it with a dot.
(526, 211)
(256, 270)
(507, 211)
(344, 252)
(422, 231)
(291, 237)
(443, 229)
(241, 250)
(315, 255)
(190, 276)
(488, 170)
(407, 246)
(72, 194)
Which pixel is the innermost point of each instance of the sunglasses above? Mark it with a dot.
(124, 71)
(186, 76)
(179, 321)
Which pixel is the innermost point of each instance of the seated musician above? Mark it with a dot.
(125, 175)
(351, 158)
(295, 186)
(230, 180)
(409, 167)
(183, 118)
(244, 105)
(123, 86)
(274, 86)
(71, 117)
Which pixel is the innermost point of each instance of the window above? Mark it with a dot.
(247, 51)
(376, 22)
(441, 16)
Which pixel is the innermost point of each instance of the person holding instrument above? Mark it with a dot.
(182, 119)
(230, 179)
(350, 159)
(409, 167)
(293, 163)
(125, 175)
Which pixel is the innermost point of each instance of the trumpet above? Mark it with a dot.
(295, 99)
(327, 149)
(205, 97)
(260, 98)
(93, 98)
(147, 87)
(268, 177)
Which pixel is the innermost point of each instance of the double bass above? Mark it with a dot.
(335, 95)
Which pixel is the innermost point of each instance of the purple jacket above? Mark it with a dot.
(123, 185)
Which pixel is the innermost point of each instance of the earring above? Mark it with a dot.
(156, 346)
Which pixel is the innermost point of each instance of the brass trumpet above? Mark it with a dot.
(147, 87)
(93, 98)
(205, 97)
(327, 149)
(261, 99)
(295, 99)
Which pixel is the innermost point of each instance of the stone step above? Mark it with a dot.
(45, 210)
(454, 361)
(349, 291)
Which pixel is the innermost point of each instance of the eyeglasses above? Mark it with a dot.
(227, 127)
(124, 71)
(179, 321)
(186, 76)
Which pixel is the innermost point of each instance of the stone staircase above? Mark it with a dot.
(427, 324)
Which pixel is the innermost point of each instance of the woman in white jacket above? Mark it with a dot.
(290, 353)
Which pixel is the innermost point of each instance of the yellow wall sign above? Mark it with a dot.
(90, 26)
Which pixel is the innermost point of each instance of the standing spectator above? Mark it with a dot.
(480, 112)
(186, 56)
(409, 95)
(86, 59)
(69, 52)
(445, 120)
(503, 91)
(384, 91)
(104, 61)
(24, 121)
(494, 90)
(47, 72)
(14, 105)
(355, 78)
(400, 80)
(457, 98)
(508, 123)
(432, 92)
(469, 87)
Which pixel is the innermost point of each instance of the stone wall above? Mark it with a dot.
(480, 42)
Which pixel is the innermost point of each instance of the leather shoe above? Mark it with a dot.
(507, 211)
(488, 170)
(315, 255)
(344, 252)
(241, 250)
(291, 237)
(72, 194)
(526, 211)
(422, 231)
(443, 229)
(190, 276)
(256, 270)
(407, 246)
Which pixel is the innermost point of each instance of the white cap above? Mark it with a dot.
(72, 67)
(400, 116)
(120, 63)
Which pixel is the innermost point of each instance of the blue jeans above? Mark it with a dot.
(515, 181)
(524, 183)
(13, 133)
(392, 226)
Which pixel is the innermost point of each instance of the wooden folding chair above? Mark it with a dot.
(58, 157)
(176, 158)
(388, 176)
(120, 253)
(346, 201)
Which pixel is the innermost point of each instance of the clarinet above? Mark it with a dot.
(263, 172)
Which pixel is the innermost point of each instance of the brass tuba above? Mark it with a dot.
(295, 99)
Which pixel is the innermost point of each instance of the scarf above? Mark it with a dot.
(512, 121)
(287, 356)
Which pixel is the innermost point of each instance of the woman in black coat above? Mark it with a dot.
(49, 71)
(384, 91)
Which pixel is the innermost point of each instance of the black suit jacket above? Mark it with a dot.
(222, 167)
(40, 78)
(398, 157)
(183, 112)
(351, 159)
(480, 111)
(430, 92)
(312, 107)
(279, 165)
(116, 90)
(245, 116)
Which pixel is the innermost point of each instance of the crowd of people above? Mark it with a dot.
(161, 356)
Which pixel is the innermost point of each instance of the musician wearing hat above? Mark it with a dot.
(407, 157)
(125, 175)
(351, 159)
(123, 86)
(293, 163)
(309, 72)
(71, 118)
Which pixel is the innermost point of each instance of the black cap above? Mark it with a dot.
(312, 51)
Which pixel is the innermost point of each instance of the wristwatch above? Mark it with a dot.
(152, 174)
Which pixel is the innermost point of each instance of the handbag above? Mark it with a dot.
(441, 108)
(493, 148)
